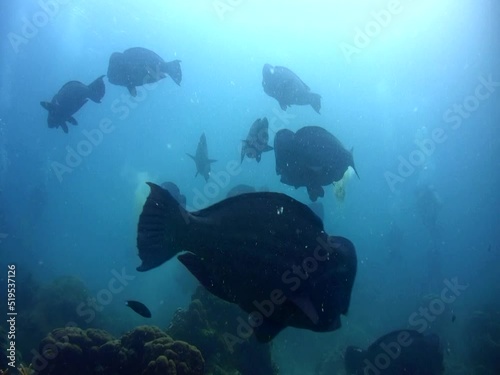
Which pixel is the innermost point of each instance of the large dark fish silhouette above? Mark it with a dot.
(201, 158)
(402, 352)
(251, 248)
(287, 88)
(138, 66)
(256, 142)
(69, 99)
(311, 157)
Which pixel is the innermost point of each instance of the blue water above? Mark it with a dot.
(396, 91)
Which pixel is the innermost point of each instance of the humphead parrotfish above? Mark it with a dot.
(138, 66)
(265, 252)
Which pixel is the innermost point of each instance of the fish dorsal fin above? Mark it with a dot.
(71, 83)
(257, 202)
(292, 74)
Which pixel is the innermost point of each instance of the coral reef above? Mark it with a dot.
(194, 344)
(145, 350)
(44, 307)
(204, 324)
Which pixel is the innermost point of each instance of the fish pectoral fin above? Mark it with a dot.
(72, 120)
(132, 90)
(267, 148)
(283, 106)
(306, 306)
(268, 330)
(64, 127)
(191, 156)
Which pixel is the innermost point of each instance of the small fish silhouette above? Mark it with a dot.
(139, 308)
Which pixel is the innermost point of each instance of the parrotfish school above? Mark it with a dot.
(249, 187)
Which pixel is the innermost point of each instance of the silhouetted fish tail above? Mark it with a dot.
(97, 90)
(162, 226)
(173, 69)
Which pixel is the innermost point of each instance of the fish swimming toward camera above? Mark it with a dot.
(401, 352)
(139, 308)
(256, 142)
(201, 158)
(69, 99)
(138, 66)
(311, 157)
(251, 249)
(287, 88)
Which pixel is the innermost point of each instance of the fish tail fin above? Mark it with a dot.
(162, 223)
(315, 101)
(97, 90)
(352, 162)
(173, 69)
